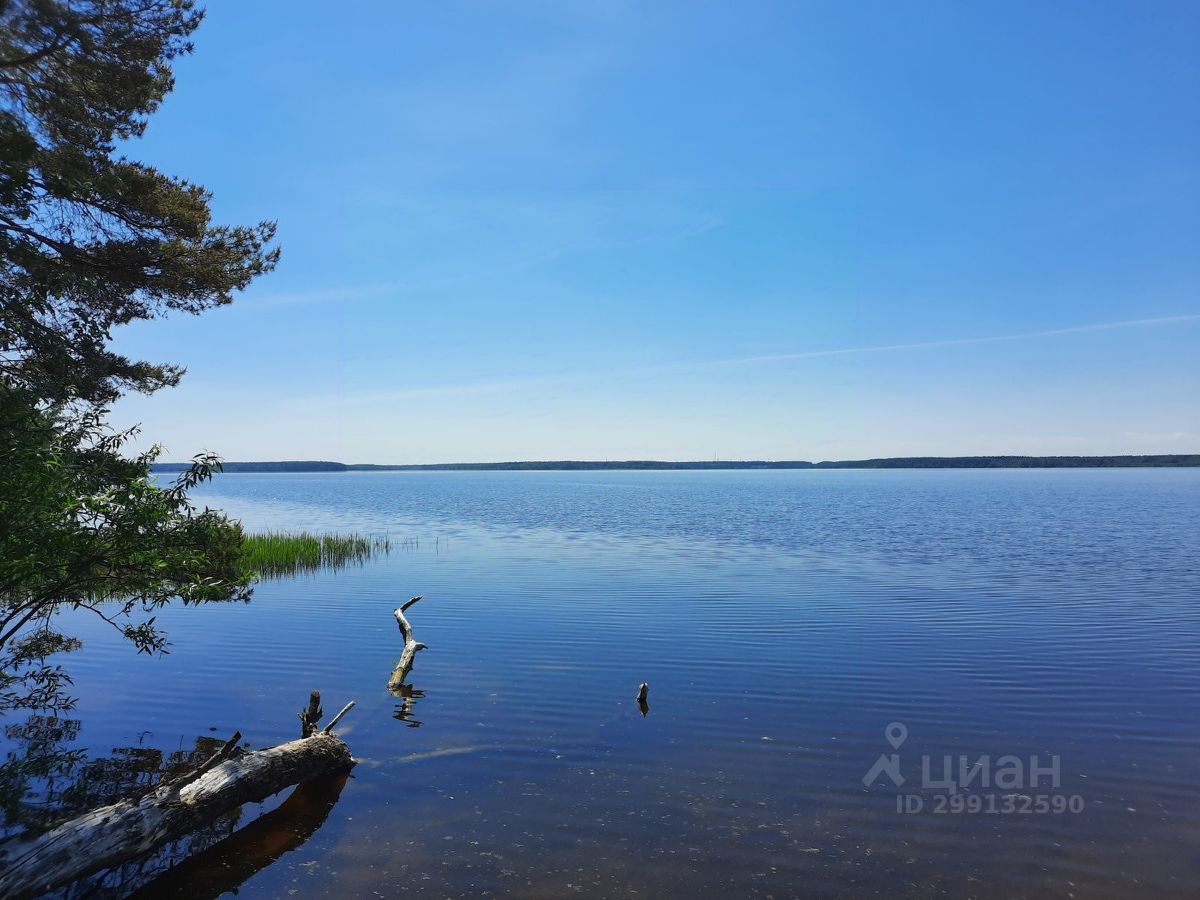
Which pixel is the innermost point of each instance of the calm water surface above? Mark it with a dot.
(783, 621)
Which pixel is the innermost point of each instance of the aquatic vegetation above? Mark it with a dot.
(277, 554)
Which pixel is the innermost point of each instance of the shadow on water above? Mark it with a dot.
(225, 866)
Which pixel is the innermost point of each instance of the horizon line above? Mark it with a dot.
(696, 462)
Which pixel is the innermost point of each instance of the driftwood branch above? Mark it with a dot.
(411, 646)
(345, 709)
(31, 865)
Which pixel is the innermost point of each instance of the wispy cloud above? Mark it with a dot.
(503, 386)
(954, 342)
(429, 392)
(1190, 438)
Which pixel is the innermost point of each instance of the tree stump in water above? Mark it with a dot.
(310, 716)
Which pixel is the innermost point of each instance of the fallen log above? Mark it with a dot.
(34, 864)
(411, 646)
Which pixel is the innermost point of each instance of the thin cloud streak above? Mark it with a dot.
(956, 342)
(536, 381)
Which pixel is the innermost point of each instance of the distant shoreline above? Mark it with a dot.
(899, 462)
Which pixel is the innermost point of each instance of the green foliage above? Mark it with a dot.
(90, 240)
(275, 554)
(85, 528)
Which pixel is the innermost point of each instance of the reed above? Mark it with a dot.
(276, 554)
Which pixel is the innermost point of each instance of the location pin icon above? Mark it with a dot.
(896, 734)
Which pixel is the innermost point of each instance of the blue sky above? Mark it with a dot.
(691, 230)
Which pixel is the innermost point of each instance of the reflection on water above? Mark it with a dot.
(224, 866)
(785, 621)
(404, 709)
(44, 780)
(36, 769)
(42, 784)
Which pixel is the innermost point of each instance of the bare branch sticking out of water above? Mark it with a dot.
(411, 646)
(328, 729)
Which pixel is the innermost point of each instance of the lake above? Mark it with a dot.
(799, 630)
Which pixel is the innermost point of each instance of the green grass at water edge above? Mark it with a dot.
(274, 554)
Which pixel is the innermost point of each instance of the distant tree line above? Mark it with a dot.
(1017, 462)
(898, 462)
